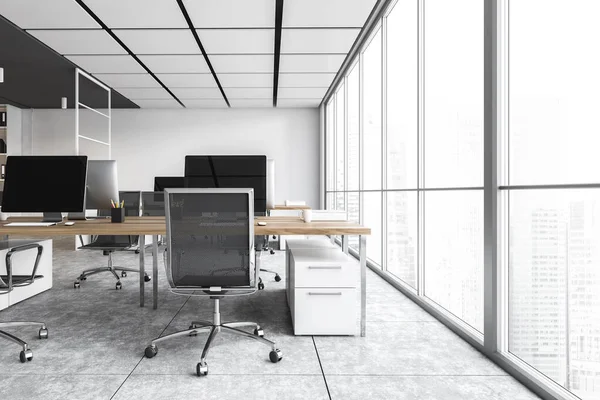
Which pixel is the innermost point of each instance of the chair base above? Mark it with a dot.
(110, 268)
(26, 354)
(213, 328)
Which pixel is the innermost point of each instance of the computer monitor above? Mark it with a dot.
(168, 182)
(47, 184)
(102, 184)
(229, 171)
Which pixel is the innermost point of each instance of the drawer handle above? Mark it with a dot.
(324, 267)
(324, 293)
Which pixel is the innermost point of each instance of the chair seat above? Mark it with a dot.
(17, 279)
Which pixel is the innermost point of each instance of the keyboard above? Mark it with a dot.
(30, 224)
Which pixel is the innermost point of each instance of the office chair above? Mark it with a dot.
(108, 244)
(265, 247)
(7, 283)
(153, 205)
(210, 252)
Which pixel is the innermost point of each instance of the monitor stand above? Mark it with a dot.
(52, 217)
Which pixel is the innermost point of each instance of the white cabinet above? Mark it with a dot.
(319, 242)
(323, 295)
(22, 264)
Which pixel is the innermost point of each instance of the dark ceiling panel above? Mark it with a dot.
(35, 76)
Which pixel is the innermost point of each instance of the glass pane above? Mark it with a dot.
(330, 201)
(453, 253)
(554, 285)
(329, 145)
(372, 114)
(372, 214)
(353, 215)
(353, 129)
(340, 140)
(402, 97)
(453, 102)
(554, 82)
(402, 236)
(340, 201)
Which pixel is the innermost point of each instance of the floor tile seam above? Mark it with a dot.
(144, 356)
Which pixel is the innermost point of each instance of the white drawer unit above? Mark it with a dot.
(322, 268)
(331, 311)
(322, 291)
(319, 242)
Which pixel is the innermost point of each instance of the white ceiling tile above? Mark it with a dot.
(145, 93)
(249, 93)
(159, 41)
(36, 14)
(205, 103)
(311, 62)
(231, 13)
(107, 64)
(197, 93)
(298, 103)
(138, 13)
(240, 41)
(187, 80)
(163, 103)
(242, 63)
(188, 64)
(326, 13)
(246, 80)
(251, 103)
(305, 80)
(79, 41)
(128, 80)
(301, 93)
(317, 40)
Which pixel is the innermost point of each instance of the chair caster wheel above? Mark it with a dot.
(272, 251)
(83, 278)
(193, 327)
(123, 274)
(261, 286)
(277, 278)
(137, 252)
(147, 278)
(259, 332)
(43, 333)
(76, 285)
(118, 286)
(202, 369)
(25, 355)
(151, 351)
(275, 355)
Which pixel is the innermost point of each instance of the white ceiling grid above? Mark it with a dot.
(238, 37)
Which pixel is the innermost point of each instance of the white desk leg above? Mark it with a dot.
(142, 244)
(345, 244)
(362, 251)
(155, 271)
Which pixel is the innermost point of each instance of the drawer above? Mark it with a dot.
(330, 311)
(322, 268)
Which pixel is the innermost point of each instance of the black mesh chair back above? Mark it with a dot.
(153, 204)
(210, 243)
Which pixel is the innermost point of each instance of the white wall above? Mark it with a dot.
(149, 143)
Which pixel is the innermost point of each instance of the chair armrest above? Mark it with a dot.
(18, 249)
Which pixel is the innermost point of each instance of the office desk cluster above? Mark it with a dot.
(156, 226)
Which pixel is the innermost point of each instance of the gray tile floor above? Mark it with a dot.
(98, 335)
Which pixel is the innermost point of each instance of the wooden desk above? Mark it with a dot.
(156, 226)
(138, 226)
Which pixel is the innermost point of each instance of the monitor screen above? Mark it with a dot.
(102, 184)
(168, 182)
(44, 184)
(229, 172)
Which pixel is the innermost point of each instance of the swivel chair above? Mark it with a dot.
(210, 252)
(108, 244)
(7, 283)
